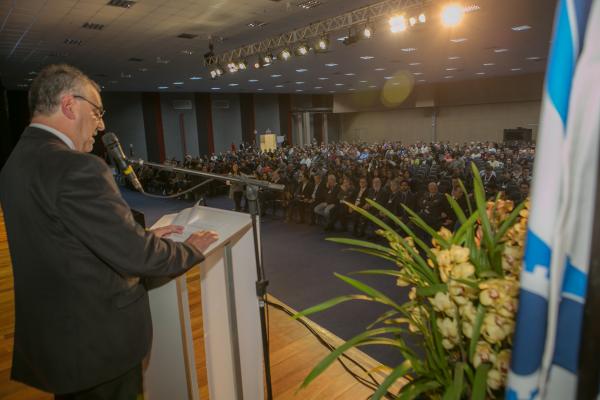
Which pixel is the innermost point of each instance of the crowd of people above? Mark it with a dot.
(318, 179)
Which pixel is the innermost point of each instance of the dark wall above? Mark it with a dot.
(247, 113)
(206, 144)
(14, 117)
(155, 142)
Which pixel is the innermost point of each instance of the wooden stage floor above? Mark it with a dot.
(294, 350)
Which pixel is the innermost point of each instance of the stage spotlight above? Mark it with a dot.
(322, 44)
(422, 18)
(397, 23)
(257, 64)
(367, 32)
(242, 65)
(412, 21)
(452, 14)
(216, 72)
(232, 67)
(302, 50)
(267, 59)
(285, 54)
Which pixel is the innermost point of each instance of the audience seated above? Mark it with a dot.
(418, 176)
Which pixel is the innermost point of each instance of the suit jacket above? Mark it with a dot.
(82, 313)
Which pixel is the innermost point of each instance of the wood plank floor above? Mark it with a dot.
(294, 351)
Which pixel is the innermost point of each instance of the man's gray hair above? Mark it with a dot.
(51, 83)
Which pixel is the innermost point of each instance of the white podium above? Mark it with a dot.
(230, 314)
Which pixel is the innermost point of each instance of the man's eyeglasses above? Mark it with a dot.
(99, 110)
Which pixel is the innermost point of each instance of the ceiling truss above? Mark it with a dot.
(297, 36)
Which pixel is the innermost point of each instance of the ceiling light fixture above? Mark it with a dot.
(301, 70)
(303, 49)
(331, 65)
(409, 49)
(366, 32)
(412, 64)
(500, 50)
(232, 67)
(195, 78)
(452, 15)
(520, 28)
(163, 87)
(367, 57)
(422, 18)
(322, 44)
(453, 58)
(252, 80)
(243, 65)
(178, 83)
(458, 40)
(397, 23)
(285, 54)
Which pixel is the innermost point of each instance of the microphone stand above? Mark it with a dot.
(252, 188)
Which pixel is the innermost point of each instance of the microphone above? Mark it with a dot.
(111, 142)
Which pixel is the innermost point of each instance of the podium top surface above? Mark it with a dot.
(228, 224)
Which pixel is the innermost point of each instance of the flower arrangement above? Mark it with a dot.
(462, 299)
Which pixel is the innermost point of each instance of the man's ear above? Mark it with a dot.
(67, 106)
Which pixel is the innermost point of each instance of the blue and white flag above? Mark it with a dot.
(557, 254)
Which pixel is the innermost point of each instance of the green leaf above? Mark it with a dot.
(431, 290)
(390, 272)
(376, 254)
(480, 383)
(424, 226)
(330, 358)
(369, 291)
(476, 330)
(330, 303)
(377, 221)
(464, 189)
(467, 226)
(508, 222)
(460, 214)
(471, 284)
(399, 371)
(363, 243)
(383, 317)
(480, 200)
(413, 389)
(454, 391)
(404, 227)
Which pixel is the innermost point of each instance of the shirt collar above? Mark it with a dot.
(56, 133)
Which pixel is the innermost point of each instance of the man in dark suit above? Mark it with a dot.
(303, 192)
(82, 315)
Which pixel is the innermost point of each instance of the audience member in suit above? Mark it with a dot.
(406, 198)
(340, 211)
(303, 192)
(378, 195)
(331, 199)
(431, 206)
(316, 197)
(83, 321)
(269, 198)
(451, 220)
(359, 200)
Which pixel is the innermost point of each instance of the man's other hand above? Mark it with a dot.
(167, 230)
(202, 239)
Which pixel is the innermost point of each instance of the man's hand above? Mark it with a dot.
(202, 239)
(167, 230)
